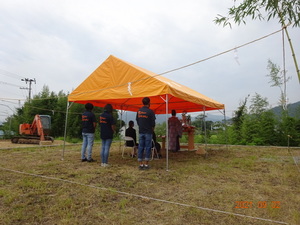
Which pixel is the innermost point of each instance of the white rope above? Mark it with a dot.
(295, 161)
(290, 152)
(145, 197)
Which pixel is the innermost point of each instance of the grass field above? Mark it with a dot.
(234, 185)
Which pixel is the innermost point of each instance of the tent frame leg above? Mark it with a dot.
(65, 132)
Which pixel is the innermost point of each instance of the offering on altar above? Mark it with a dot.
(186, 119)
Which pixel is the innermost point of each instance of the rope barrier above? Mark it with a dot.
(144, 197)
(290, 152)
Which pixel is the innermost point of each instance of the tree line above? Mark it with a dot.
(253, 125)
(54, 105)
(256, 124)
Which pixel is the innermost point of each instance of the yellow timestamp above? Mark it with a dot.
(259, 204)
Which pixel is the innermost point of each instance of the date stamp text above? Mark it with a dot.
(259, 204)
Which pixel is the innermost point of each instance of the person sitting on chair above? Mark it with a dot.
(131, 132)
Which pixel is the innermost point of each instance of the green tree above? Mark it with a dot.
(50, 103)
(286, 12)
(234, 132)
(278, 79)
(201, 123)
(250, 131)
(289, 131)
(267, 130)
(74, 120)
(7, 127)
(258, 127)
(44, 103)
(258, 105)
(59, 115)
(160, 129)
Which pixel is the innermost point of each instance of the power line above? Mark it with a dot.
(16, 76)
(14, 85)
(38, 108)
(13, 99)
(9, 74)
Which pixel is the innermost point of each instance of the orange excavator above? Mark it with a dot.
(35, 133)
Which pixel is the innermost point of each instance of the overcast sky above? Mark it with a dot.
(61, 42)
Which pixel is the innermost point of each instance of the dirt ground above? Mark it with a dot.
(8, 144)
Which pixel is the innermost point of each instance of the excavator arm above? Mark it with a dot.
(37, 127)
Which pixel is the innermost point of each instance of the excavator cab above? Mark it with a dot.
(46, 123)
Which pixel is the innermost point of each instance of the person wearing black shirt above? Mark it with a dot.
(145, 118)
(107, 129)
(88, 119)
(131, 132)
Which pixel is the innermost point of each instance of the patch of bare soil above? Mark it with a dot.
(7, 144)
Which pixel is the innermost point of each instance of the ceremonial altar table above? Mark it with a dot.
(189, 130)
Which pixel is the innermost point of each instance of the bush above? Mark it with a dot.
(199, 138)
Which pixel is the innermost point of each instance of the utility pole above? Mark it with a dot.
(29, 80)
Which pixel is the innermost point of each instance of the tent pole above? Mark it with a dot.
(65, 133)
(121, 112)
(225, 127)
(167, 133)
(205, 137)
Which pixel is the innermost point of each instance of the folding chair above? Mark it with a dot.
(154, 151)
(125, 146)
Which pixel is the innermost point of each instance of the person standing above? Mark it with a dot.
(175, 132)
(88, 119)
(145, 118)
(107, 129)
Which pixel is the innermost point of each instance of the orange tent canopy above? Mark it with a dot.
(124, 85)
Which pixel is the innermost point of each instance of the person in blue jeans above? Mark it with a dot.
(88, 119)
(107, 129)
(145, 118)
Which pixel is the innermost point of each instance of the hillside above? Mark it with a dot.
(293, 110)
(162, 117)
